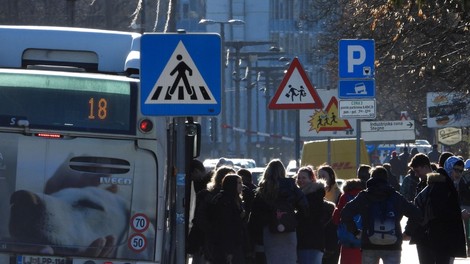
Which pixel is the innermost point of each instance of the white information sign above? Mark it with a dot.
(399, 130)
(363, 108)
(377, 126)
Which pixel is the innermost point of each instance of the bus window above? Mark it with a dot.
(68, 102)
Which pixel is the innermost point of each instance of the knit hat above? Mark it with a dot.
(394, 153)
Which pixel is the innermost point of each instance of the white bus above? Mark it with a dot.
(83, 174)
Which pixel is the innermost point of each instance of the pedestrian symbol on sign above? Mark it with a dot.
(181, 68)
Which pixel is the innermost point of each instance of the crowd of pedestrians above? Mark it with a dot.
(309, 219)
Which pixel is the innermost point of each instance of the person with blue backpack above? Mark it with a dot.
(381, 209)
(350, 252)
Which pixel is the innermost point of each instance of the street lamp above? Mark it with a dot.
(235, 22)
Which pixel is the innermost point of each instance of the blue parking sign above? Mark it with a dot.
(356, 58)
(356, 88)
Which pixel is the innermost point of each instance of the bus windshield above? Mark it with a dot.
(68, 102)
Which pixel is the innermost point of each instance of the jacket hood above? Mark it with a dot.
(450, 163)
(436, 177)
(314, 187)
(379, 188)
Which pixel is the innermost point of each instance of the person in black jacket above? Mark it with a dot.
(200, 242)
(229, 230)
(311, 229)
(441, 237)
(378, 191)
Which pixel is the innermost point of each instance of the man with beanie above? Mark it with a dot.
(392, 206)
(440, 237)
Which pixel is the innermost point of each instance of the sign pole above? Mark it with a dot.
(180, 169)
(358, 143)
(297, 138)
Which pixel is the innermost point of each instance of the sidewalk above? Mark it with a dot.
(409, 254)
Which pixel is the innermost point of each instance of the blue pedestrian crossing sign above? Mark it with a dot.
(180, 74)
(356, 58)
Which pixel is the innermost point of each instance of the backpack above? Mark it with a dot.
(283, 218)
(382, 219)
(347, 238)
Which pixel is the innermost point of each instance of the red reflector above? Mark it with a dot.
(146, 125)
(46, 135)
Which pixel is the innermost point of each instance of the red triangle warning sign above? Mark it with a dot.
(295, 90)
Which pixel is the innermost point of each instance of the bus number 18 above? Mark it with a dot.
(100, 109)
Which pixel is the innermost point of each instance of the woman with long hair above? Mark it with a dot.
(229, 230)
(333, 192)
(275, 188)
(200, 238)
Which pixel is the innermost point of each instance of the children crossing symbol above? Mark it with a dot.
(295, 90)
(186, 85)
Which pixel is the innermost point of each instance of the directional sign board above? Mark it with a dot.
(381, 126)
(295, 90)
(356, 58)
(181, 74)
(400, 130)
(356, 88)
(360, 108)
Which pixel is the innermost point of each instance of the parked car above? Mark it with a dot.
(238, 163)
(422, 145)
(291, 169)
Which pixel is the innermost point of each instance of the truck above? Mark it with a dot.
(340, 155)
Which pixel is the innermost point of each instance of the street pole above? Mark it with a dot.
(237, 136)
(223, 147)
(297, 139)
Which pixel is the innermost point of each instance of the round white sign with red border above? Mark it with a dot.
(137, 242)
(140, 223)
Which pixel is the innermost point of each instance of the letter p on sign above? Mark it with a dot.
(356, 58)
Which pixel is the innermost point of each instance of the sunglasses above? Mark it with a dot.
(458, 170)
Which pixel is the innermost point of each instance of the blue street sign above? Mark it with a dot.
(359, 88)
(180, 74)
(356, 58)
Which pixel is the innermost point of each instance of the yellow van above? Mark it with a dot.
(342, 155)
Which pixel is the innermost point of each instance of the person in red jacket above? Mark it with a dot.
(350, 255)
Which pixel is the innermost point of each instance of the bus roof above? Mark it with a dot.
(103, 50)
